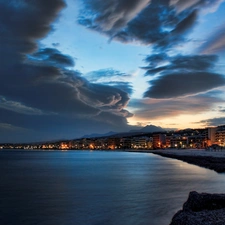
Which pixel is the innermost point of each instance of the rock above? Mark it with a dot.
(201, 209)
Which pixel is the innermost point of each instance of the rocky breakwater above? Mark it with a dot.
(201, 209)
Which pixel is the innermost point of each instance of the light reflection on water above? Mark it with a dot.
(97, 188)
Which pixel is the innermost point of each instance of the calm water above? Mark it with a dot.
(96, 188)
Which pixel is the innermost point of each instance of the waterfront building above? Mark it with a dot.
(168, 140)
(113, 143)
(179, 141)
(197, 141)
(159, 140)
(210, 135)
(125, 143)
(140, 142)
(220, 136)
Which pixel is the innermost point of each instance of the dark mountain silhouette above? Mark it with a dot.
(146, 129)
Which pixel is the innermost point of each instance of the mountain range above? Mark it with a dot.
(146, 129)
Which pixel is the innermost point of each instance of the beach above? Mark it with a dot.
(214, 160)
(210, 207)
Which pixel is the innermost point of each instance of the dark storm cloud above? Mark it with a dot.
(193, 62)
(147, 27)
(23, 21)
(110, 15)
(104, 97)
(156, 59)
(114, 120)
(159, 109)
(214, 121)
(178, 63)
(186, 62)
(186, 23)
(162, 23)
(157, 22)
(54, 57)
(55, 127)
(40, 95)
(182, 75)
(124, 86)
(62, 91)
(18, 107)
(182, 84)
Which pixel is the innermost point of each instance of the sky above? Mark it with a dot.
(74, 67)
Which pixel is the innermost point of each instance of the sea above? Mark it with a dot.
(97, 187)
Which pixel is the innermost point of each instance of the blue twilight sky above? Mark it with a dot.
(75, 67)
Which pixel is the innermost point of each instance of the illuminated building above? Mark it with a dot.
(210, 135)
(220, 136)
(125, 143)
(113, 143)
(159, 140)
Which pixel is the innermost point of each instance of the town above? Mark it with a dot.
(210, 137)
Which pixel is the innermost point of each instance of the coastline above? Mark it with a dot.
(211, 210)
(214, 160)
(200, 208)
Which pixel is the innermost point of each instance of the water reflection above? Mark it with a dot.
(97, 188)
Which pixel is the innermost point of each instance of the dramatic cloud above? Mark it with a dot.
(185, 24)
(158, 24)
(162, 23)
(52, 57)
(18, 107)
(124, 86)
(182, 5)
(111, 15)
(112, 78)
(183, 75)
(182, 84)
(151, 21)
(214, 121)
(215, 43)
(44, 97)
(160, 109)
(184, 62)
(162, 62)
(28, 21)
(41, 93)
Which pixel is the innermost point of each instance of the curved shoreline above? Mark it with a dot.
(200, 208)
(210, 160)
(214, 160)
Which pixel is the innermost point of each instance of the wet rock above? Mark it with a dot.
(201, 209)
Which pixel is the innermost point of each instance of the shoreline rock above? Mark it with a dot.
(209, 162)
(201, 209)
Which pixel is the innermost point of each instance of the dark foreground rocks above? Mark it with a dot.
(201, 209)
(214, 163)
